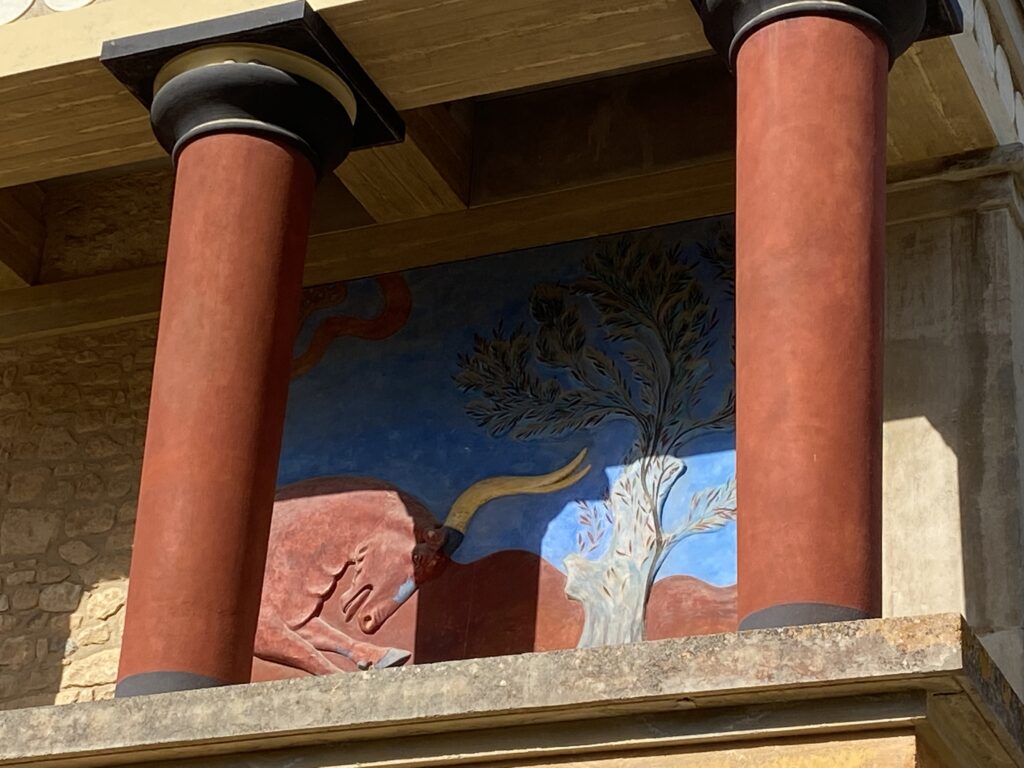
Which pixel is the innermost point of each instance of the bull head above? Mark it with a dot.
(435, 545)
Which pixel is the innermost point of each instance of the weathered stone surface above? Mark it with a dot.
(24, 598)
(26, 532)
(52, 574)
(106, 602)
(56, 443)
(20, 577)
(94, 635)
(90, 520)
(5, 603)
(670, 677)
(58, 598)
(98, 669)
(121, 539)
(25, 486)
(77, 552)
(15, 651)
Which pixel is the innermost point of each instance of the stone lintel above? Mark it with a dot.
(825, 679)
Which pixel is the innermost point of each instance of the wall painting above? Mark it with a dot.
(523, 452)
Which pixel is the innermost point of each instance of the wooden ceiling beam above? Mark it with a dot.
(428, 173)
(62, 113)
(119, 297)
(22, 233)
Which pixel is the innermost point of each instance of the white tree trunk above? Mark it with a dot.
(614, 588)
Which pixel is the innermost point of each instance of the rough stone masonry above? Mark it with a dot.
(72, 423)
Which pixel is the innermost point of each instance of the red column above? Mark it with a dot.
(810, 216)
(229, 315)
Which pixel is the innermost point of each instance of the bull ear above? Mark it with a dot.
(452, 540)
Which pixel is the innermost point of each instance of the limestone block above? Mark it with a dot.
(98, 669)
(89, 486)
(24, 598)
(126, 513)
(60, 598)
(26, 532)
(113, 567)
(52, 574)
(98, 519)
(25, 486)
(5, 603)
(94, 635)
(77, 552)
(121, 539)
(89, 421)
(59, 493)
(119, 487)
(100, 447)
(104, 603)
(56, 443)
(15, 651)
(20, 577)
(14, 401)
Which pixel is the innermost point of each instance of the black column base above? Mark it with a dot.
(148, 683)
(801, 614)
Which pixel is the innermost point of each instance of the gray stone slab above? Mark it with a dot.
(792, 664)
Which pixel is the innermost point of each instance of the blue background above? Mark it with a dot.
(391, 409)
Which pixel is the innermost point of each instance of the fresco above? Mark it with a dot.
(528, 451)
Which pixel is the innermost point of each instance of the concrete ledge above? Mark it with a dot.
(854, 676)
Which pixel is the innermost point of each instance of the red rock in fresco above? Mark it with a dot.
(482, 609)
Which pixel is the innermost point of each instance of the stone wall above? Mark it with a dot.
(72, 422)
(952, 474)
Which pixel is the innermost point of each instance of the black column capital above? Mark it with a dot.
(901, 23)
(277, 71)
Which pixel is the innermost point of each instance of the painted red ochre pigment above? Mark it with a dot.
(229, 315)
(810, 249)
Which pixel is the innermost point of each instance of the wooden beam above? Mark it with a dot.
(597, 210)
(982, 180)
(21, 235)
(428, 173)
(657, 120)
(62, 113)
(601, 209)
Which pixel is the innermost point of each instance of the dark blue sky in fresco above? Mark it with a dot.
(391, 409)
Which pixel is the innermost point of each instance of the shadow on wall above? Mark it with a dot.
(72, 419)
(953, 474)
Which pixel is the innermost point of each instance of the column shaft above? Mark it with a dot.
(810, 252)
(230, 308)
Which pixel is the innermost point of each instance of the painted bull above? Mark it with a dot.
(324, 528)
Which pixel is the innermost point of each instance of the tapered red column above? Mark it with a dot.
(229, 314)
(810, 217)
(251, 127)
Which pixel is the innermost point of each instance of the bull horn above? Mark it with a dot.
(480, 493)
